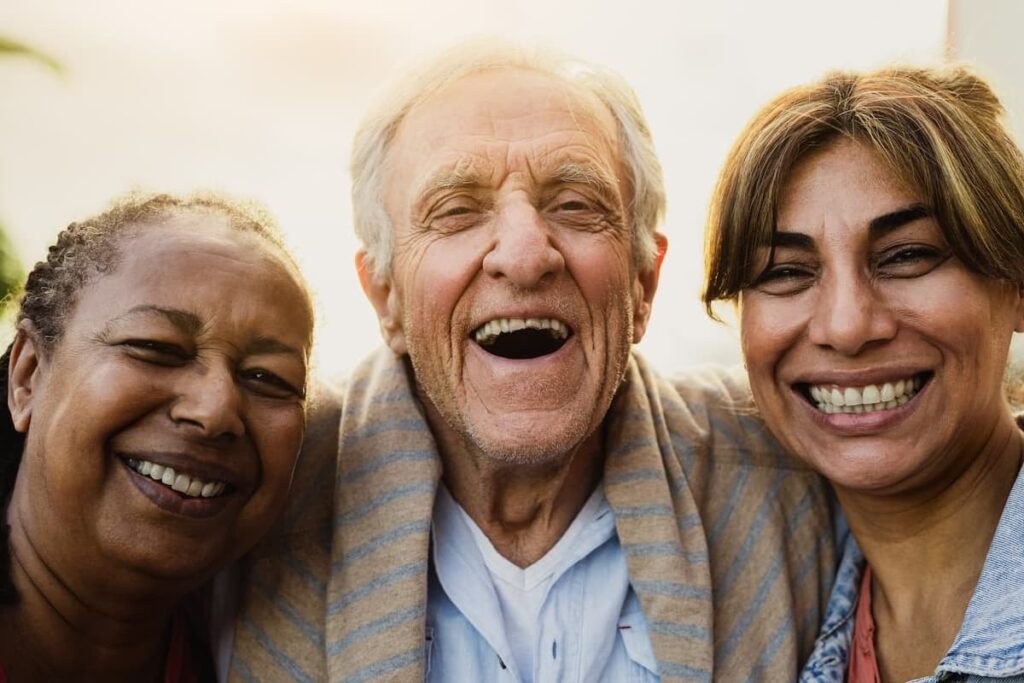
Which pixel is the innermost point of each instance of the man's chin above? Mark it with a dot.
(528, 444)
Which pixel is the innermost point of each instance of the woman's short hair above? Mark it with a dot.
(939, 130)
(87, 249)
(376, 132)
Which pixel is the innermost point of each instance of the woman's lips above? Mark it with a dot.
(166, 497)
(834, 398)
(190, 486)
(863, 419)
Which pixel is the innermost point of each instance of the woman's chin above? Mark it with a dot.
(172, 562)
(872, 470)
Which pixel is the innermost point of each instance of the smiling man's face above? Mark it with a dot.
(513, 287)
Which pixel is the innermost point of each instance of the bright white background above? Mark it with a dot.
(260, 98)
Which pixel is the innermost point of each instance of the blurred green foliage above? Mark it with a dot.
(12, 272)
(10, 48)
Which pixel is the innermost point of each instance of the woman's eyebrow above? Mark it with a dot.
(878, 227)
(270, 345)
(183, 320)
(888, 222)
(791, 240)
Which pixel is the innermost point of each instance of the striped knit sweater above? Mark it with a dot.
(728, 542)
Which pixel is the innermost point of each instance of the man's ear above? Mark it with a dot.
(23, 373)
(385, 301)
(646, 285)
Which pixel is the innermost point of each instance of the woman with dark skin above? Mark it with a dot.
(156, 394)
(871, 228)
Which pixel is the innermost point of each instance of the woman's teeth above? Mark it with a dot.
(830, 398)
(193, 487)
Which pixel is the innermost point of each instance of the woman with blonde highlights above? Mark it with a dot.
(871, 229)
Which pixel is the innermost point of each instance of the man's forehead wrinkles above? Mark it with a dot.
(465, 165)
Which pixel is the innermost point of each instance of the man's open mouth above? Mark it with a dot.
(522, 338)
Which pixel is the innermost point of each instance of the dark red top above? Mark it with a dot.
(863, 659)
(181, 664)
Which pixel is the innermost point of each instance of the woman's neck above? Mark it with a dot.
(926, 549)
(61, 629)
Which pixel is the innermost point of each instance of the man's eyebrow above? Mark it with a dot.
(896, 219)
(183, 320)
(449, 179)
(584, 174)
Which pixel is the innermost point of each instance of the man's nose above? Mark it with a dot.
(209, 403)
(522, 250)
(851, 314)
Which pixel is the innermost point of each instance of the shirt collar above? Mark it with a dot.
(463, 574)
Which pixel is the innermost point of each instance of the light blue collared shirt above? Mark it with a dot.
(990, 644)
(590, 624)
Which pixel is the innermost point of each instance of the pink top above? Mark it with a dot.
(863, 661)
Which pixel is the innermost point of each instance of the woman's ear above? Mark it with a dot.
(23, 375)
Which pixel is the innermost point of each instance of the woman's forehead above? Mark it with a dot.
(203, 269)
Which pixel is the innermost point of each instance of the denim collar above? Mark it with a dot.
(991, 638)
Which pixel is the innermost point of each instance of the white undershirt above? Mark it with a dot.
(522, 591)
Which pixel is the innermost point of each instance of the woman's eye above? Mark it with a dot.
(270, 384)
(785, 278)
(910, 261)
(153, 351)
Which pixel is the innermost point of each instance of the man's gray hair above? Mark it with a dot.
(376, 132)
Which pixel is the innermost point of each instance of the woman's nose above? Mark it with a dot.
(850, 314)
(209, 401)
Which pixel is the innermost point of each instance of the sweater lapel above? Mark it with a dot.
(658, 522)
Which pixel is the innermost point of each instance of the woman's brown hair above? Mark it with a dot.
(939, 130)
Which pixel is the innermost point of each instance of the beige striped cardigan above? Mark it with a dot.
(728, 542)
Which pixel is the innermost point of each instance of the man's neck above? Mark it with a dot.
(523, 509)
(53, 633)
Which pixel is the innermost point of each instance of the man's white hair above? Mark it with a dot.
(375, 134)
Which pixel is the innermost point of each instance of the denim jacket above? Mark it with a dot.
(990, 644)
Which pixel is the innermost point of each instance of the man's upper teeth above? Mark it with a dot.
(182, 483)
(488, 331)
(834, 398)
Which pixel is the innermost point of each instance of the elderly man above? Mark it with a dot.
(516, 496)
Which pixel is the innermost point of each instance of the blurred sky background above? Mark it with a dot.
(261, 97)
